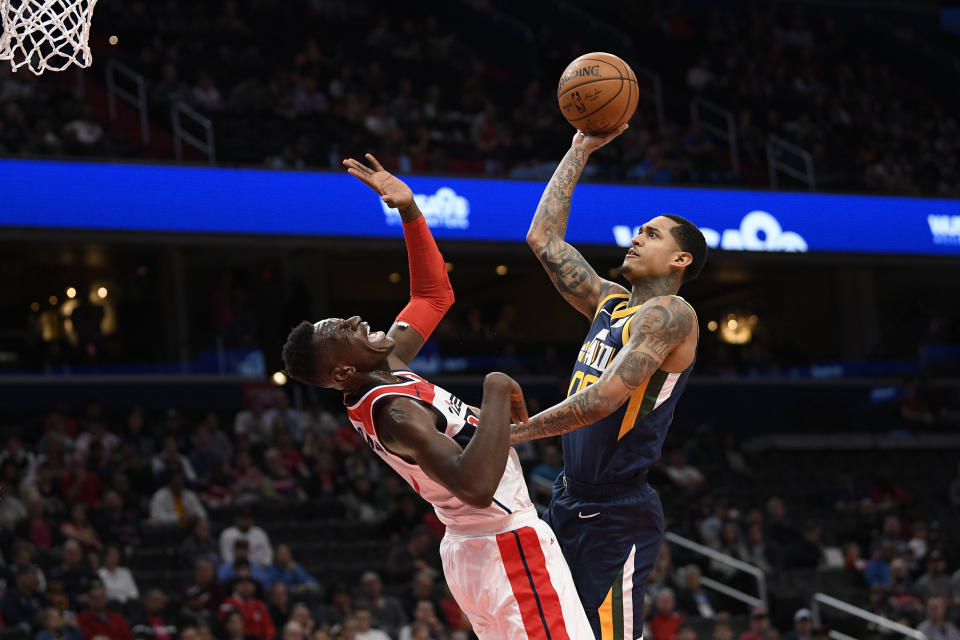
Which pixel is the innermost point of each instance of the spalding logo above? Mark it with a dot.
(592, 70)
(443, 210)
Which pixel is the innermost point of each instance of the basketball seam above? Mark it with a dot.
(583, 84)
(619, 91)
(627, 106)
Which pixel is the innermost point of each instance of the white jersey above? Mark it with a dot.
(511, 495)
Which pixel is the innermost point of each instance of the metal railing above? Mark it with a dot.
(777, 146)
(760, 600)
(181, 135)
(822, 599)
(727, 134)
(654, 95)
(137, 100)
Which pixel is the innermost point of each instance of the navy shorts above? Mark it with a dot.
(610, 536)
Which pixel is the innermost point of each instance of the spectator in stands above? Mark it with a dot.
(759, 625)
(901, 591)
(154, 624)
(410, 557)
(802, 626)
(77, 577)
(36, 528)
(205, 579)
(170, 462)
(253, 422)
(98, 620)
(386, 612)
(195, 611)
(79, 528)
(199, 544)
(82, 135)
(117, 524)
(241, 565)
(364, 630)
(220, 487)
(256, 617)
(686, 631)
(117, 581)
(877, 571)
(731, 544)
(424, 613)
(204, 455)
(302, 616)
(260, 550)
(53, 626)
(281, 409)
(722, 631)
(953, 491)
(665, 619)
(284, 569)
(278, 603)
(96, 432)
(175, 506)
(283, 485)
(806, 553)
(693, 601)
(936, 627)
(936, 581)
(57, 595)
(205, 94)
(682, 474)
(23, 601)
(80, 485)
(293, 631)
(23, 460)
(235, 626)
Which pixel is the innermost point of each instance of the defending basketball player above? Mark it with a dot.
(630, 372)
(500, 560)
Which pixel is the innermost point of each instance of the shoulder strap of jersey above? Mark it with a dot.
(605, 301)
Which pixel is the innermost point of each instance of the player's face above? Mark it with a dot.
(350, 343)
(652, 251)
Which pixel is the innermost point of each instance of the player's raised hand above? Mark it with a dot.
(593, 142)
(518, 406)
(392, 190)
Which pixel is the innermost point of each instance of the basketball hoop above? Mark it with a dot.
(46, 35)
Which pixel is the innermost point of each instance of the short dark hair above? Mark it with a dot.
(299, 359)
(691, 240)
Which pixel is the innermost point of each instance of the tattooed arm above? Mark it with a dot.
(574, 278)
(660, 326)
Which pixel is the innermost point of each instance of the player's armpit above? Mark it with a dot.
(658, 326)
(573, 276)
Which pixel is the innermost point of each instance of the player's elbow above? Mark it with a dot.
(535, 239)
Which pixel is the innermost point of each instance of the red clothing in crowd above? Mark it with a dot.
(109, 623)
(90, 490)
(256, 617)
(664, 627)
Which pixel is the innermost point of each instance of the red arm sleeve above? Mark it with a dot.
(430, 291)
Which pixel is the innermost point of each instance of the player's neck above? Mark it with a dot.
(643, 289)
(363, 381)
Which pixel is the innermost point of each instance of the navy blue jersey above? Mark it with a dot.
(624, 444)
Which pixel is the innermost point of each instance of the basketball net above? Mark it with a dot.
(46, 35)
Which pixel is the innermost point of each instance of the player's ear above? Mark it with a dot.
(682, 259)
(342, 372)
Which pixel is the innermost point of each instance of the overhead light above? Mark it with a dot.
(394, 277)
(449, 266)
(34, 306)
(279, 378)
(113, 40)
(501, 269)
(737, 329)
(712, 325)
(102, 293)
(52, 300)
(71, 292)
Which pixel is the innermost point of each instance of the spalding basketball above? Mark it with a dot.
(597, 92)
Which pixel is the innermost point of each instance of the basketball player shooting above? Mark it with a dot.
(499, 559)
(627, 379)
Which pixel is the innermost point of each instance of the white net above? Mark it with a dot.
(46, 35)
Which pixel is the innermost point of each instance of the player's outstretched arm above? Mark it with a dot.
(571, 274)
(408, 428)
(431, 294)
(659, 326)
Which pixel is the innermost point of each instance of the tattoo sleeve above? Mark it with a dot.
(573, 276)
(656, 329)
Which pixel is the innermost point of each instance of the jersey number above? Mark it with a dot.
(581, 381)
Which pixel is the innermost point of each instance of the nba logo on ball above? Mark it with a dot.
(597, 92)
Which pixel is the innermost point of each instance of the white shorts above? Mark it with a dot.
(513, 583)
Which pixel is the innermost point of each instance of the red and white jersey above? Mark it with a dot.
(511, 495)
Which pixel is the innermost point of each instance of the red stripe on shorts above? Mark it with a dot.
(526, 569)
(549, 600)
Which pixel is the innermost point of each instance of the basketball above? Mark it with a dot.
(597, 92)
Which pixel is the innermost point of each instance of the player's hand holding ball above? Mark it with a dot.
(392, 190)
